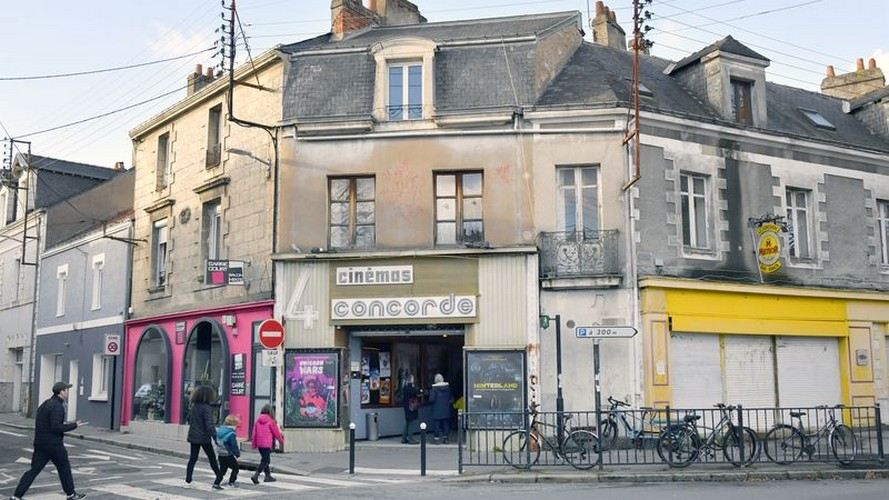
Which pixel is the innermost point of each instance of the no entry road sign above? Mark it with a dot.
(271, 333)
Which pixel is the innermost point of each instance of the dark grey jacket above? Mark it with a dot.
(201, 428)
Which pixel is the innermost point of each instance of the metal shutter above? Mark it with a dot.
(808, 371)
(749, 371)
(695, 366)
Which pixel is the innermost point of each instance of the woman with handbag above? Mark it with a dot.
(410, 400)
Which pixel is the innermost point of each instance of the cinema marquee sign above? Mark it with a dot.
(450, 306)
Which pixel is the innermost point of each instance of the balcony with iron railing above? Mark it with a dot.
(579, 259)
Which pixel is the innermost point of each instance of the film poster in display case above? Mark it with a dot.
(312, 378)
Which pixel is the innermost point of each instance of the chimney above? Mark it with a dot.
(606, 31)
(347, 16)
(198, 80)
(118, 166)
(852, 85)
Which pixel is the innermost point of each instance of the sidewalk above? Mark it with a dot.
(388, 457)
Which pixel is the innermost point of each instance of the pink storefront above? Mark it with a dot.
(167, 356)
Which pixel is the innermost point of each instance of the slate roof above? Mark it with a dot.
(107, 202)
(47, 164)
(727, 44)
(339, 84)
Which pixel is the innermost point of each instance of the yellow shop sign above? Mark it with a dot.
(768, 247)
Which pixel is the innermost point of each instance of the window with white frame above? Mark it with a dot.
(98, 280)
(798, 219)
(405, 91)
(458, 208)
(61, 289)
(352, 212)
(578, 200)
(693, 207)
(101, 377)
(211, 229)
(883, 230)
(159, 254)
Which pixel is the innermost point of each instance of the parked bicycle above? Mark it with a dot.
(637, 427)
(785, 443)
(681, 444)
(577, 447)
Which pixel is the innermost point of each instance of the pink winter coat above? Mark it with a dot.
(265, 432)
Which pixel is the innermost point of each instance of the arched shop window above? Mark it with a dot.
(151, 376)
(204, 363)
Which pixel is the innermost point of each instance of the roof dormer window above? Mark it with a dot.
(816, 119)
(404, 80)
(405, 91)
(742, 102)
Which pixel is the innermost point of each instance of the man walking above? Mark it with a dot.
(49, 430)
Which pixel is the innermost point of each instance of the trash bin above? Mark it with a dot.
(373, 426)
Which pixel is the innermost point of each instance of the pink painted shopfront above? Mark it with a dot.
(167, 356)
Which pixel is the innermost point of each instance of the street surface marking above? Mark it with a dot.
(128, 457)
(141, 493)
(16, 434)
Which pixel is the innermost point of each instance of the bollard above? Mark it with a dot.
(351, 447)
(422, 448)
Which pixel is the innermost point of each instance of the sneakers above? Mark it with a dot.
(217, 486)
(187, 485)
(75, 496)
(233, 485)
(269, 479)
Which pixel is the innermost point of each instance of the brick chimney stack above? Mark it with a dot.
(118, 166)
(199, 80)
(347, 16)
(606, 31)
(855, 84)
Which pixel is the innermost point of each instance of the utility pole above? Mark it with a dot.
(639, 44)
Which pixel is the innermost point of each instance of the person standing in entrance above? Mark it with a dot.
(441, 398)
(410, 400)
(201, 432)
(265, 432)
(49, 431)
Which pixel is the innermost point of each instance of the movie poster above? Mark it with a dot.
(311, 390)
(495, 388)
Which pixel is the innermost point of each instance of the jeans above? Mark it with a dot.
(442, 427)
(265, 459)
(410, 429)
(43, 455)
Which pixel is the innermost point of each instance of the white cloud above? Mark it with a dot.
(171, 43)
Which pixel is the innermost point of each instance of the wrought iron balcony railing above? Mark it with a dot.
(580, 254)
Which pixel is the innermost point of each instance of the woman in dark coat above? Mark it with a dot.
(410, 400)
(201, 431)
(441, 398)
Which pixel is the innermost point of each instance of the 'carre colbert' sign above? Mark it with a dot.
(451, 306)
(374, 275)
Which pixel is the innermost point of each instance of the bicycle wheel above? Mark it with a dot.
(843, 444)
(579, 449)
(607, 434)
(784, 444)
(678, 445)
(748, 442)
(516, 450)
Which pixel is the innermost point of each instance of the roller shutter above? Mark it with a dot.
(808, 371)
(696, 378)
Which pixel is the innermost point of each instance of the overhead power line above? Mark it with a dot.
(106, 70)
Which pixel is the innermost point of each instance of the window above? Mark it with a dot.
(61, 282)
(458, 208)
(214, 136)
(211, 229)
(98, 280)
(742, 110)
(101, 377)
(578, 200)
(816, 119)
(798, 220)
(693, 204)
(883, 222)
(164, 164)
(352, 212)
(159, 255)
(405, 91)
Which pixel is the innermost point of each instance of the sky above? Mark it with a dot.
(127, 61)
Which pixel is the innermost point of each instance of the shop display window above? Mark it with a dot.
(150, 377)
(204, 364)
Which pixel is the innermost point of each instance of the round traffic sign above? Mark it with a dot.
(271, 333)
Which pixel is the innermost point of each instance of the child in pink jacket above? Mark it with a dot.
(265, 432)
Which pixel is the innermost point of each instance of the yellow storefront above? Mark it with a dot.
(761, 345)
